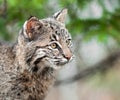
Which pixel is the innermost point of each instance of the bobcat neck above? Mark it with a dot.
(31, 83)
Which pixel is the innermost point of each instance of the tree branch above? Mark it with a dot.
(103, 66)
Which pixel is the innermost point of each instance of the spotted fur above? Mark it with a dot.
(27, 68)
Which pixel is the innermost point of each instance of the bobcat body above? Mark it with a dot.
(27, 68)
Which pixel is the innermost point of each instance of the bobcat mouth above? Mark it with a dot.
(61, 63)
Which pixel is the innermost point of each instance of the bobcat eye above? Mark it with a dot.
(53, 45)
(68, 41)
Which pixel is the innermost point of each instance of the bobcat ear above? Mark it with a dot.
(60, 15)
(31, 26)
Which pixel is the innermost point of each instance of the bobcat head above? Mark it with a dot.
(46, 41)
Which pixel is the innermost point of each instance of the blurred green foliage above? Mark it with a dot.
(90, 18)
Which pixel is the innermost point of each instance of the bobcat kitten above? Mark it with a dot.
(28, 67)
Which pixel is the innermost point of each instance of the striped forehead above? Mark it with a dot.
(60, 31)
(60, 34)
(64, 34)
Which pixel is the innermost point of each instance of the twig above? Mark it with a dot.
(104, 65)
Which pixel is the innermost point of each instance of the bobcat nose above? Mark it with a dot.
(67, 53)
(67, 56)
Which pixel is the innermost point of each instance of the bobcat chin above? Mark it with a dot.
(28, 67)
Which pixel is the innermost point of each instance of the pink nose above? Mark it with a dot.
(68, 56)
(67, 53)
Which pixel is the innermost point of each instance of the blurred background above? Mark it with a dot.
(94, 74)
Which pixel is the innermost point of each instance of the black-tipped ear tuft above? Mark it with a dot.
(60, 15)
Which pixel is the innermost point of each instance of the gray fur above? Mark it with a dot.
(27, 68)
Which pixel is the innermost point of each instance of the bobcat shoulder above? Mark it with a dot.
(28, 67)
